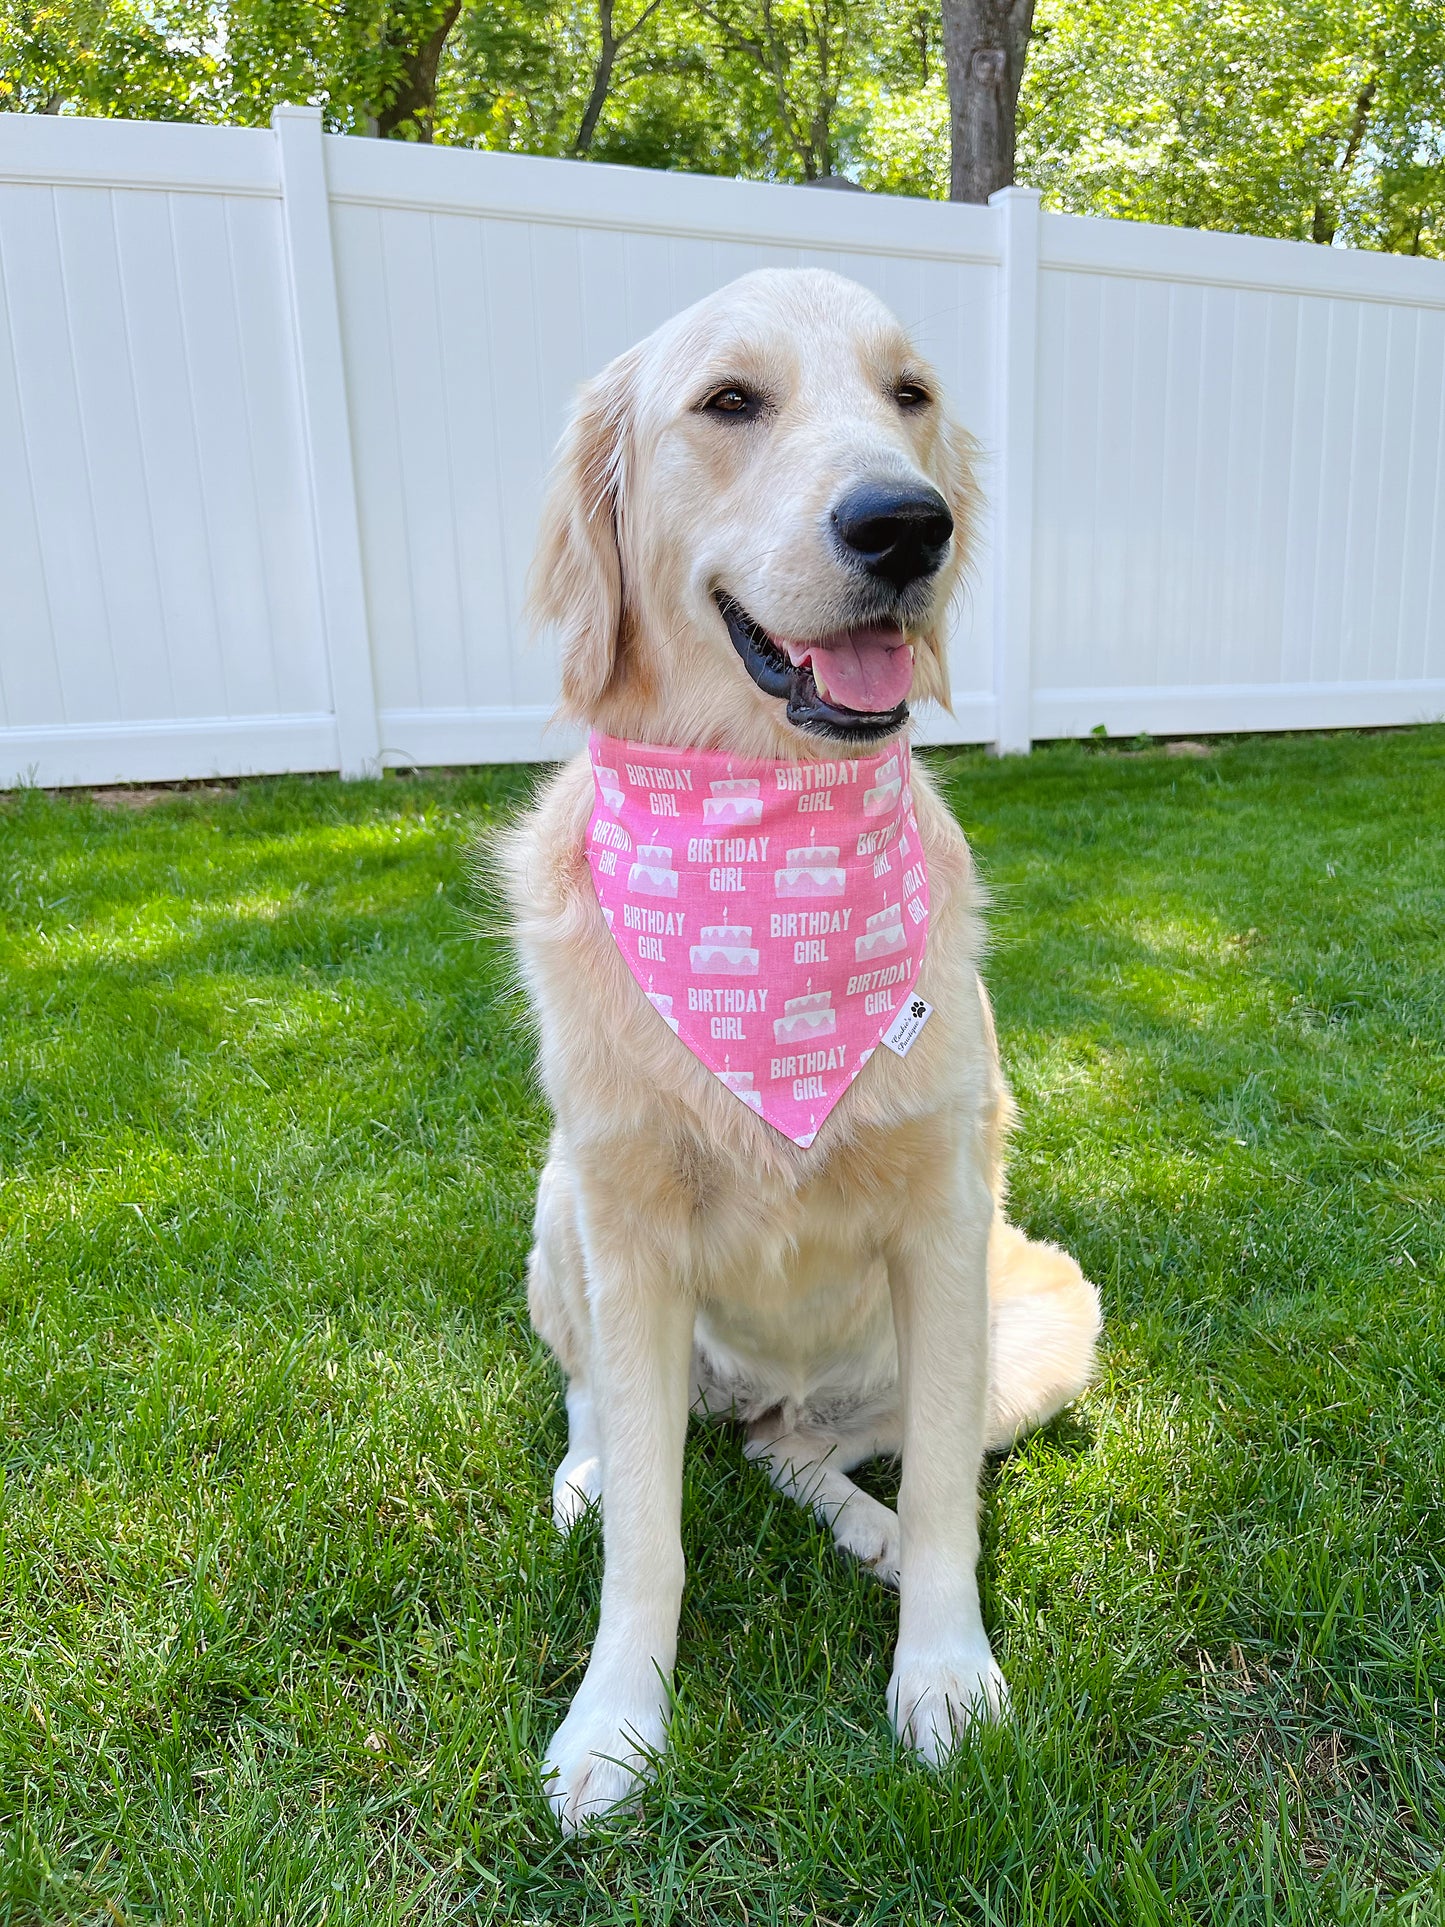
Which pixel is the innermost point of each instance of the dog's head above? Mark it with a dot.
(755, 523)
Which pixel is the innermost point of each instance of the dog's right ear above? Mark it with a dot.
(576, 582)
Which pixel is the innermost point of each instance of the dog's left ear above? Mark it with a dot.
(955, 466)
(576, 580)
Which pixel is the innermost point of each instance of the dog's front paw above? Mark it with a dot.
(601, 1754)
(870, 1531)
(934, 1697)
(576, 1489)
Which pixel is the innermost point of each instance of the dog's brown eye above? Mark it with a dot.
(911, 394)
(731, 400)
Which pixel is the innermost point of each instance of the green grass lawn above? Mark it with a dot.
(285, 1623)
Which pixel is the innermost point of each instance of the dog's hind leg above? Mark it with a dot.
(556, 1298)
(1043, 1323)
(577, 1482)
(1043, 1313)
(812, 1467)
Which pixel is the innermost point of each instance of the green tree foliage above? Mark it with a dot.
(1312, 122)
(371, 63)
(792, 64)
(901, 113)
(520, 75)
(776, 89)
(107, 57)
(1323, 122)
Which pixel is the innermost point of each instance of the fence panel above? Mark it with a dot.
(1240, 484)
(276, 409)
(162, 614)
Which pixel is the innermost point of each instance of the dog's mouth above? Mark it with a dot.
(852, 684)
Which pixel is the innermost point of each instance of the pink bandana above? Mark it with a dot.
(775, 914)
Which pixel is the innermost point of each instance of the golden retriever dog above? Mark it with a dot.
(764, 494)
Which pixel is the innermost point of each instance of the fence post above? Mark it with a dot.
(1013, 515)
(306, 220)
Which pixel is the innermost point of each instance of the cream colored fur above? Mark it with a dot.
(862, 1296)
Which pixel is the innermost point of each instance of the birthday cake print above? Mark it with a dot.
(662, 1004)
(887, 791)
(734, 800)
(652, 875)
(811, 872)
(608, 788)
(806, 1018)
(725, 950)
(883, 934)
(740, 1083)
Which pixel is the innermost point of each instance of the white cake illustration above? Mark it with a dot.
(608, 786)
(805, 1018)
(884, 933)
(652, 875)
(740, 1083)
(810, 872)
(609, 914)
(662, 1004)
(734, 799)
(886, 791)
(725, 950)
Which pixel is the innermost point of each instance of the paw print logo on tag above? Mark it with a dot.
(902, 1033)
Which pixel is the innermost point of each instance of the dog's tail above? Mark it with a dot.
(1043, 1323)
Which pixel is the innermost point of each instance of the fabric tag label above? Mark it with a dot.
(902, 1033)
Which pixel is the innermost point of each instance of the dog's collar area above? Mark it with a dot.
(776, 675)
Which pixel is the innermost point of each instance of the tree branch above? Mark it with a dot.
(1362, 116)
(641, 21)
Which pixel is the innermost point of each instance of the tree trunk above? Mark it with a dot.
(985, 43)
(1326, 217)
(612, 45)
(416, 97)
(1322, 227)
(601, 82)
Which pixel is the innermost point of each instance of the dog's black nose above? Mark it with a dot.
(897, 530)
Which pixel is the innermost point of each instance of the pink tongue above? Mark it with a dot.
(865, 669)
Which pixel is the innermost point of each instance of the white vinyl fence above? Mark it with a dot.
(275, 410)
